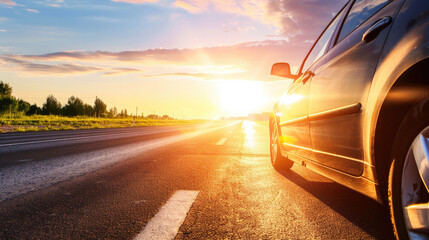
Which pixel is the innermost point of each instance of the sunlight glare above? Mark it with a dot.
(288, 100)
(239, 98)
(249, 132)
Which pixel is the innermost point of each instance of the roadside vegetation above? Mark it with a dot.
(17, 115)
(36, 123)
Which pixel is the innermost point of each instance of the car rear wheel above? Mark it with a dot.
(278, 161)
(409, 177)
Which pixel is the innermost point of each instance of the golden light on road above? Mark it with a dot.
(239, 98)
(249, 132)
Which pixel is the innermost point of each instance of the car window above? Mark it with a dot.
(359, 13)
(320, 47)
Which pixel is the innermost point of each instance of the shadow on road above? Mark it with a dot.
(370, 216)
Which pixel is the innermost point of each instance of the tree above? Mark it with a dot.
(23, 106)
(112, 112)
(152, 116)
(99, 107)
(73, 107)
(165, 117)
(34, 109)
(8, 104)
(51, 106)
(5, 90)
(88, 110)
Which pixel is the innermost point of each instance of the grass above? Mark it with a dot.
(22, 123)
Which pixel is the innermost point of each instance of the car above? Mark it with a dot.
(357, 111)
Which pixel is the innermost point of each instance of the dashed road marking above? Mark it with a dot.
(166, 223)
(221, 142)
(64, 139)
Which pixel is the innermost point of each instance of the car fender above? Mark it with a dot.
(407, 45)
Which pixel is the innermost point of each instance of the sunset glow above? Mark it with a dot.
(195, 59)
(241, 97)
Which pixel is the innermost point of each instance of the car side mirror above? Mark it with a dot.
(282, 70)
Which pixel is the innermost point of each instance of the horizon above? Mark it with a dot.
(200, 59)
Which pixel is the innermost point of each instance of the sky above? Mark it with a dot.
(185, 58)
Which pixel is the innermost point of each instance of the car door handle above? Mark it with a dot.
(375, 29)
(307, 76)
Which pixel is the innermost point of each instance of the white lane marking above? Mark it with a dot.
(32, 176)
(221, 142)
(166, 223)
(121, 134)
(76, 138)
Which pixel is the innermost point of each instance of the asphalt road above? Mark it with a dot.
(210, 182)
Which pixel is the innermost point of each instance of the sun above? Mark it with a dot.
(239, 97)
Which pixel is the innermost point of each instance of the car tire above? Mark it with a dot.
(278, 161)
(406, 186)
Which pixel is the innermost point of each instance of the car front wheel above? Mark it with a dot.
(409, 177)
(278, 161)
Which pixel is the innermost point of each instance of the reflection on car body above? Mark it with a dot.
(358, 109)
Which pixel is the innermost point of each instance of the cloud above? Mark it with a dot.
(236, 27)
(8, 2)
(136, 1)
(60, 69)
(255, 9)
(119, 71)
(55, 3)
(200, 75)
(187, 6)
(3, 30)
(246, 61)
(303, 19)
(233, 54)
(32, 10)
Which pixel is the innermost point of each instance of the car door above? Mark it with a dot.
(293, 107)
(341, 83)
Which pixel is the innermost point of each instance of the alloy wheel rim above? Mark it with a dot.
(414, 189)
(274, 142)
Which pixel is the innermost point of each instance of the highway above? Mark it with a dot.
(212, 181)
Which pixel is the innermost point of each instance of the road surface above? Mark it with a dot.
(210, 182)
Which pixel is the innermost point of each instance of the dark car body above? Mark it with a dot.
(341, 115)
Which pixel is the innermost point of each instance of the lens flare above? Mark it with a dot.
(239, 98)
